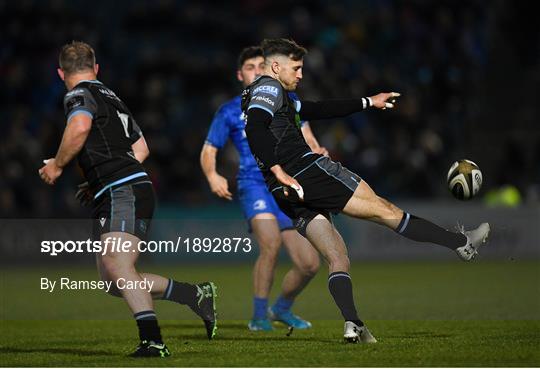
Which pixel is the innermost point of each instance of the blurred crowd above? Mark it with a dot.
(174, 63)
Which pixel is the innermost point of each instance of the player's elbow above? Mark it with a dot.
(146, 152)
(208, 156)
(142, 153)
(204, 159)
(80, 124)
(82, 128)
(140, 149)
(78, 133)
(312, 267)
(205, 153)
(252, 134)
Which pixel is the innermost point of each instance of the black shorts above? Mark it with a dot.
(127, 208)
(327, 185)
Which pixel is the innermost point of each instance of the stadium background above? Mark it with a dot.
(468, 73)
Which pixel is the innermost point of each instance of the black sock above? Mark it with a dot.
(148, 326)
(421, 230)
(340, 286)
(182, 293)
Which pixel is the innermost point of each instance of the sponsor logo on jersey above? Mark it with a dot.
(75, 102)
(263, 99)
(102, 221)
(270, 90)
(259, 205)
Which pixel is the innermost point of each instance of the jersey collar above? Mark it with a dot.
(90, 81)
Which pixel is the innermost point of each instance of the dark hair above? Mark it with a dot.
(248, 53)
(282, 46)
(76, 57)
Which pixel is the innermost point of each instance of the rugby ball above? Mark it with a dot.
(464, 179)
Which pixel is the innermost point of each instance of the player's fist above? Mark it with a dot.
(50, 172)
(287, 181)
(220, 186)
(321, 150)
(385, 100)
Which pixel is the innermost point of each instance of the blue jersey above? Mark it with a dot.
(229, 122)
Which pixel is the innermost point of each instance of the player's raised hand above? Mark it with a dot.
(385, 100)
(50, 172)
(288, 182)
(220, 186)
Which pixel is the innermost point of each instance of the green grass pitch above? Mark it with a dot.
(422, 313)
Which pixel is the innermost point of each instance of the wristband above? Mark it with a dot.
(367, 102)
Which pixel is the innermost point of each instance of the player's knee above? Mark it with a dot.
(268, 252)
(268, 255)
(110, 265)
(114, 267)
(311, 268)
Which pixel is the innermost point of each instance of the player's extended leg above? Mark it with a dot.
(120, 265)
(267, 233)
(199, 297)
(159, 283)
(325, 237)
(305, 265)
(365, 204)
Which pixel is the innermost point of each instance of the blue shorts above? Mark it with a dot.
(256, 199)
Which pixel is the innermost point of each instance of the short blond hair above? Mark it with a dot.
(77, 56)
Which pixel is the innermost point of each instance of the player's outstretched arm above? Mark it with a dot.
(310, 110)
(74, 137)
(218, 184)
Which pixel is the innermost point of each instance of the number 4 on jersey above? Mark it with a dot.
(124, 118)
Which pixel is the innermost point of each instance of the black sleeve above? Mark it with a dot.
(260, 139)
(310, 110)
